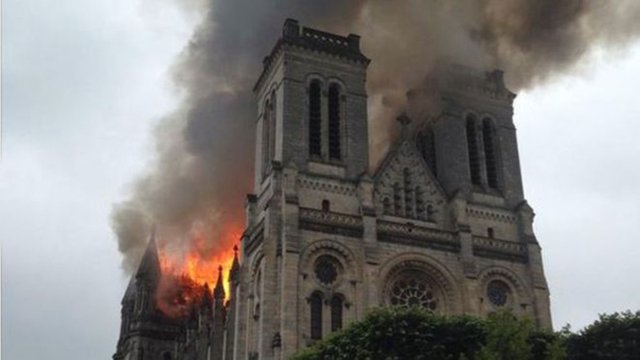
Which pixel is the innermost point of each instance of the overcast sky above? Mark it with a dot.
(85, 81)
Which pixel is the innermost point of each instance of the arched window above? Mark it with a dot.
(272, 127)
(315, 120)
(488, 137)
(268, 134)
(326, 206)
(427, 147)
(408, 194)
(337, 304)
(472, 144)
(334, 122)
(266, 137)
(315, 304)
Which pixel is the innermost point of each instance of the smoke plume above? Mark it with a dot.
(204, 164)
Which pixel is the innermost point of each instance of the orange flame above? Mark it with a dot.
(185, 273)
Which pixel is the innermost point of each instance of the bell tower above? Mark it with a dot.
(471, 143)
(312, 125)
(312, 105)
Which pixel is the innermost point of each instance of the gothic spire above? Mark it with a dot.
(150, 265)
(130, 293)
(218, 292)
(235, 267)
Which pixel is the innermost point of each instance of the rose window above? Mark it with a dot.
(326, 270)
(413, 290)
(498, 293)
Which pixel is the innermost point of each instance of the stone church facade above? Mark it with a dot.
(442, 221)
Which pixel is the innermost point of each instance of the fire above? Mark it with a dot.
(185, 272)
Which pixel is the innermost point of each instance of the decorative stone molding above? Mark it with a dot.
(500, 249)
(330, 222)
(406, 188)
(493, 215)
(522, 297)
(349, 262)
(409, 234)
(327, 185)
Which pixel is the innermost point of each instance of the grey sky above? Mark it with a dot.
(85, 81)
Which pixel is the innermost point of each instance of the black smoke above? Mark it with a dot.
(204, 164)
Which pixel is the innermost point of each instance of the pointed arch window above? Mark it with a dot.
(268, 133)
(337, 305)
(472, 144)
(489, 138)
(427, 147)
(315, 119)
(272, 127)
(334, 122)
(315, 305)
(266, 136)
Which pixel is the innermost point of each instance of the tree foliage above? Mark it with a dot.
(615, 336)
(401, 333)
(413, 333)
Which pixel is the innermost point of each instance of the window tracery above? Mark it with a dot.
(327, 270)
(498, 293)
(414, 289)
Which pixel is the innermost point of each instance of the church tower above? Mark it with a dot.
(441, 223)
(311, 148)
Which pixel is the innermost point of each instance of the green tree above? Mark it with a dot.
(507, 338)
(413, 333)
(615, 336)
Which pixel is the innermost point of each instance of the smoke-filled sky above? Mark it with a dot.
(100, 98)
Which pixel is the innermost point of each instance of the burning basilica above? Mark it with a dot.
(441, 222)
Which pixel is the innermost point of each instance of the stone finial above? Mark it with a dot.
(235, 267)
(218, 292)
(291, 28)
(354, 42)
